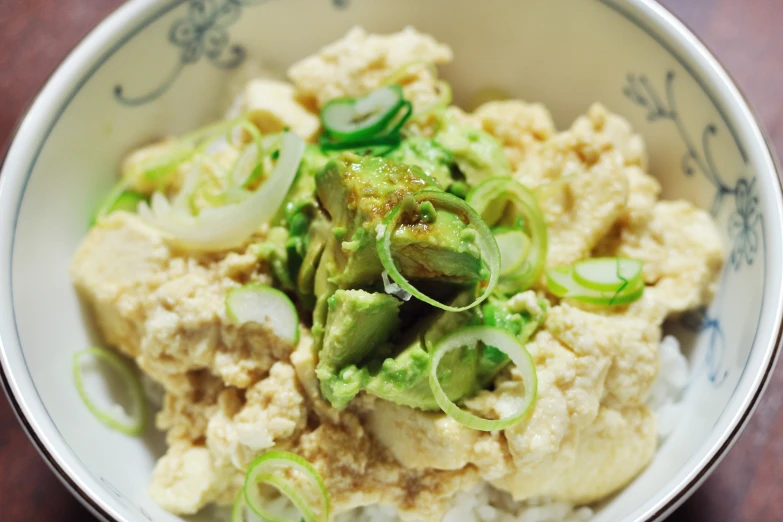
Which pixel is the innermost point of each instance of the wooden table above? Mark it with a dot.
(35, 36)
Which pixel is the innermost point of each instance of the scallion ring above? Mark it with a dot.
(355, 118)
(482, 197)
(607, 281)
(120, 198)
(285, 471)
(490, 254)
(134, 425)
(514, 246)
(506, 343)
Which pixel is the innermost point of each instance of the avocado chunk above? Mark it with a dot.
(520, 316)
(428, 155)
(358, 193)
(477, 154)
(404, 378)
(357, 323)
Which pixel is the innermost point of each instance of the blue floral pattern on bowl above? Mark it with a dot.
(745, 220)
(203, 33)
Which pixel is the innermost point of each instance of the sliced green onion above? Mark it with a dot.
(488, 199)
(608, 274)
(503, 341)
(267, 306)
(364, 143)
(603, 281)
(132, 426)
(118, 199)
(514, 246)
(400, 118)
(484, 239)
(351, 119)
(278, 469)
(229, 226)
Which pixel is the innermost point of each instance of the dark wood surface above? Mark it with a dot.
(35, 35)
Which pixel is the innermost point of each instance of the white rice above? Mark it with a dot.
(486, 504)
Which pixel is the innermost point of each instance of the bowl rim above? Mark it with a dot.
(123, 20)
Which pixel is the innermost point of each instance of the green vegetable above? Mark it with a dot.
(518, 321)
(359, 193)
(267, 306)
(352, 119)
(514, 247)
(502, 341)
(357, 323)
(426, 154)
(604, 281)
(478, 155)
(134, 425)
(118, 199)
(369, 124)
(477, 237)
(288, 473)
(491, 199)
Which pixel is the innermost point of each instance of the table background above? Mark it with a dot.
(35, 35)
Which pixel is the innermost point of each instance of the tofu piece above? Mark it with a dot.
(606, 456)
(272, 106)
(273, 412)
(521, 127)
(600, 131)
(167, 309)
(186, 411)
(681, 250)
(359, 472)
(610, 453)
(631, 344)
(420, 440)
(581, 212)
(119, 257)
(184, 479)
(360, 63)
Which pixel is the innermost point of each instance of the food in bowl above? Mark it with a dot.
(361, 295)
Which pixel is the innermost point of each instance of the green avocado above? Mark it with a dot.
(426, 154)
(517, 321)
(357, 322)
(358, 193)
(477, 154)
(404, 378)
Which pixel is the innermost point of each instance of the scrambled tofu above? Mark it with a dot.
(360, 62)
(233, 392)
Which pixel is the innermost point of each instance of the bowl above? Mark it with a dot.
(163, 66)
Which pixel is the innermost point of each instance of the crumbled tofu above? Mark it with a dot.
(272, 106)
(580, 213)
(360, 63)
(608, 454)
(184, 479)
(274, 411)
(630, 343)
(167, 310)
(681, 251)
(611, 451)
(521, 127)
(600, 131)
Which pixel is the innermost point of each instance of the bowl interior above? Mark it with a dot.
(141, 76)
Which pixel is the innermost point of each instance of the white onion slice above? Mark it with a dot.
(227, 227)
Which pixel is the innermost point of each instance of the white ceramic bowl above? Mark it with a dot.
(159, 66)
